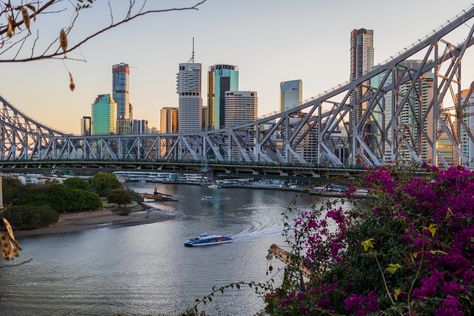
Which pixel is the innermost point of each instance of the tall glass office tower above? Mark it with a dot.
(291, 94)
(104, 115)
(222, 78)
(120, 89)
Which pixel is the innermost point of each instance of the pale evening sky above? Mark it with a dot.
(269, 40)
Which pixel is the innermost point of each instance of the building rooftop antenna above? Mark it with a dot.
(192, 54)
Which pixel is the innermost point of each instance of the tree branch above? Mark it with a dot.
(129, 17)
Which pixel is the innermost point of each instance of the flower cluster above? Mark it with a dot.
(408, 250)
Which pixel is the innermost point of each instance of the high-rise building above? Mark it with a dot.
(362, 52)
(104, 115)
(221, 78)
(139, 127)
(86, 126)
(291, 94)
(205, 117)
(120, 89)
(169, 120)
(241, 107)
(467, 145)
(190, 100)
(361, 62)
(416, 106)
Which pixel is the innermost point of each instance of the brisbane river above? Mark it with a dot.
(145, 269)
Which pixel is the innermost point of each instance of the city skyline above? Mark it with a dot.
(307, 63)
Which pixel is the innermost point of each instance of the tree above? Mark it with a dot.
(103, 183)
(120, 197)
(77, 183)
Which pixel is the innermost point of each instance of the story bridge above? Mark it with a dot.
(381, 117)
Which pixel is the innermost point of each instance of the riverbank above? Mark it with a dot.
(76, 222)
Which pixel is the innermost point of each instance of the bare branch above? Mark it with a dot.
(59, 52)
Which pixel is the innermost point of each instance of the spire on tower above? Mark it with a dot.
(192, 54)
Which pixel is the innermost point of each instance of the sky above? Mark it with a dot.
(269, 40)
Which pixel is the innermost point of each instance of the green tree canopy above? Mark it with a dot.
(104, 182)
(31, 216)
(77, 183)
(120, 197)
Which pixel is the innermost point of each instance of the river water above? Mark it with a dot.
(146, 269)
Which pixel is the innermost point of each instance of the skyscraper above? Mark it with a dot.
(467, 145)
(139, 127)
(104, 115)
(221, 78)
(190, 101)
(86, 125)
(169, 120)
(120, 89)
(362, 52)
(241, 107)
(362, 61)
(205, 117)
(291, 94)
(415, 107)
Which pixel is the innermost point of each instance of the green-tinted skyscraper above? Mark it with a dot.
(222, 78)
(104, 115)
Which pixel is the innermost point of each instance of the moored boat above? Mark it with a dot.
(207, 240)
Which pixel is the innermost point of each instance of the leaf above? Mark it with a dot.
(393, 268)
(26, 17)
(432, 228)
(10, 29)
(368, 244)
(72, 86)
(396, 293)
(63, 40)
(415, 254)
(9, 228)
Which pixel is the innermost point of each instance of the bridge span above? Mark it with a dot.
(214, 168)
(362, 122)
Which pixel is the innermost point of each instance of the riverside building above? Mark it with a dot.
(190, 100)
(291, 94)
(86, 125)
(221, 78)
(104, 115)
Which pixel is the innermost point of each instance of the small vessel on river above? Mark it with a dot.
(158, 197)
(207, 240)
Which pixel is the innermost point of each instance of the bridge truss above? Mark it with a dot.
(398, 111)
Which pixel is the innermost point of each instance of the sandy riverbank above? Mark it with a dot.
(76, 222)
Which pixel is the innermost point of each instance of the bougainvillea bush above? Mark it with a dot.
(406, 251)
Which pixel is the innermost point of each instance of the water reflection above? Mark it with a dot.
(145, 269)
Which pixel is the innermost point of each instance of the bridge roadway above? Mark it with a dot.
(216, 168)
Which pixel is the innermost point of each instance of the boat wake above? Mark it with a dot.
(241, 237)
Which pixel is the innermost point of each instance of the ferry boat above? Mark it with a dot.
(207, 240)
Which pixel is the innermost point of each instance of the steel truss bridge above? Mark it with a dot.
(361, 122)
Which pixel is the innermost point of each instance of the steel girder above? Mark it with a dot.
(392, 119)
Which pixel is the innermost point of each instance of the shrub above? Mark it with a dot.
(65, 199)
(31, 216)
(409, 251)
